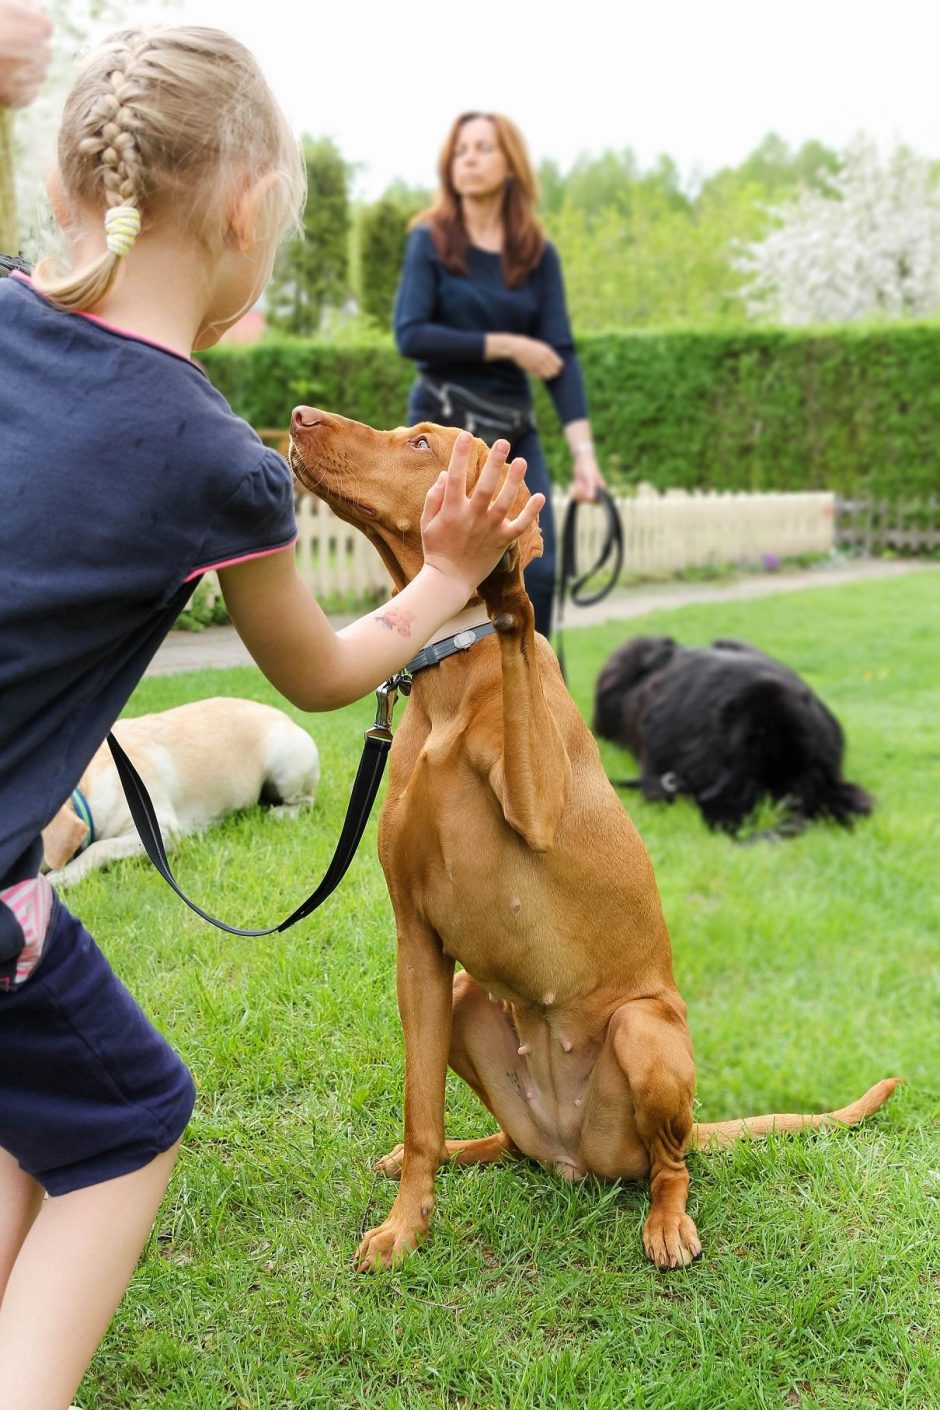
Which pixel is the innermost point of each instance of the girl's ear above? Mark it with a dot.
(246, 219)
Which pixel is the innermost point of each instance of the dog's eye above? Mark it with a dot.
(421, 443)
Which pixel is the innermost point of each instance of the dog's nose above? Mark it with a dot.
(306, 416)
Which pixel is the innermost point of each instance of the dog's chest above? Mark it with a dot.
(449, 856)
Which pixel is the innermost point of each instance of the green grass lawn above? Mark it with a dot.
(810, 971)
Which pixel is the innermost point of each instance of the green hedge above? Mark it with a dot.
(844, 410)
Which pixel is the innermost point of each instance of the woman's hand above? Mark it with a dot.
(586, 473)
(531, 354)
(587, 477)
(465, 536)
(25, 51)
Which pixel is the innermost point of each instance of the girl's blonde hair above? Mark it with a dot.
(176, 122)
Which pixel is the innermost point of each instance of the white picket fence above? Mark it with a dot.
(663, 534)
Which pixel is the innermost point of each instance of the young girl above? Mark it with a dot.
(124, 476)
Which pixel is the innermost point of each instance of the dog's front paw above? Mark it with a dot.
(389, 1244)
(390, 1165)
(671, 1240)
(66, 876)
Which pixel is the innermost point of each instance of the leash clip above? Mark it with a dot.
(386, 697)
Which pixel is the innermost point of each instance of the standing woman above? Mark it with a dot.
(480, 305)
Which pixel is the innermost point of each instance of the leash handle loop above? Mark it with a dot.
(569, 583)
(377, 743)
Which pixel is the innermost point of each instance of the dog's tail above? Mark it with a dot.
(842, 801)
(714, 1135)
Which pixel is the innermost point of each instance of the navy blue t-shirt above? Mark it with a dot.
(124, 475)
(441, 321)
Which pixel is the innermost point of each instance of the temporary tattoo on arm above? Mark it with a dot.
(396, 619)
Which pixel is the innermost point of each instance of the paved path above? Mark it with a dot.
(221, 646)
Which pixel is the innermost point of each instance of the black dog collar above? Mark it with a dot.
(438, 651)
(82, 809)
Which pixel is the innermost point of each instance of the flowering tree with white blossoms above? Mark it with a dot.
(868, 246)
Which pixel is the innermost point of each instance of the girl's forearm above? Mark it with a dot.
(376, 646)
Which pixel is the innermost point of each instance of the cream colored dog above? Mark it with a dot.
(200, 762)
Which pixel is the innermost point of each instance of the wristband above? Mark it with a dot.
(582, 449)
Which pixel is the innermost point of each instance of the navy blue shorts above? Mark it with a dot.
(89, 1090)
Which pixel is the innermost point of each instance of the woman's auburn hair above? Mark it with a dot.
(523, 236)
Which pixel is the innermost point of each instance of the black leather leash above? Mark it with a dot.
(378, 741)
(570, 585)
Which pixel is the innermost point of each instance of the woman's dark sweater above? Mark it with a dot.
(441, 321)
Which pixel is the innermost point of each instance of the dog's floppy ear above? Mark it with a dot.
(657, 652)
(62, 837)
(640, 657)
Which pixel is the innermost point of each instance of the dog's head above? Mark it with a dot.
(619, 694)
(640, 657)
(378, 481)
(62, 838)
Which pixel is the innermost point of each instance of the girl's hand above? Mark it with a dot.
(465, 536)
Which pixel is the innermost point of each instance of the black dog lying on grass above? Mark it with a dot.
(728, 726)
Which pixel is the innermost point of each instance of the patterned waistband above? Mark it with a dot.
(31, 902)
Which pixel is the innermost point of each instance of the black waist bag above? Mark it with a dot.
(490, 420)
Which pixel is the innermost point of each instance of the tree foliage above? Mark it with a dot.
(864, 245)
(312, 271)
(642, 250)
(382, 236)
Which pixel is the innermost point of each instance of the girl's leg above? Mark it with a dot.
(70, 1274)
(20, 1199)
(540, 574)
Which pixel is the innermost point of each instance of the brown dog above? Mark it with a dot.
(505, 848)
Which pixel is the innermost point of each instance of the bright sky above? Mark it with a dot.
(701, 81)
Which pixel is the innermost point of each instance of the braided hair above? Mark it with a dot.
(112, 120)
(166, 125)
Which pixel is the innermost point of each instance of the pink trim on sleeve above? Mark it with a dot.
(230, 562)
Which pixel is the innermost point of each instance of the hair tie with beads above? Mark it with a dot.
(122, 226)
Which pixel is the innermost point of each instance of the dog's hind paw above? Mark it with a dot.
(390, 1165)
(671, 1240)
